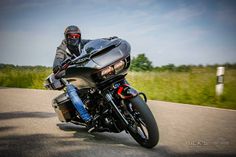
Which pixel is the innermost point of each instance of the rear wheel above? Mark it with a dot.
(143, 127)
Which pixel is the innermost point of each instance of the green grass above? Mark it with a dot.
(195, 87)
(23, 77)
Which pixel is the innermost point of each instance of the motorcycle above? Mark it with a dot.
(99, 74)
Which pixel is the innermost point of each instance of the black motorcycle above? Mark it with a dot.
(99, 73)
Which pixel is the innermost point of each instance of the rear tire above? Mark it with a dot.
(145, 130)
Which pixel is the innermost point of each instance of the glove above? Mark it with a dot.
(112, 37)
(56, 69)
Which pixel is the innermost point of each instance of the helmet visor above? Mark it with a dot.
(73, 39)
(73, 36)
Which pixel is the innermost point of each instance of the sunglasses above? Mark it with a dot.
(73, 36)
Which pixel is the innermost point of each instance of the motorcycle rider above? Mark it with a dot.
(70, 47)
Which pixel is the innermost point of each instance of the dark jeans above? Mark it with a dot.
(74, 97)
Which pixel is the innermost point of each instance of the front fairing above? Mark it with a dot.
(100, 54)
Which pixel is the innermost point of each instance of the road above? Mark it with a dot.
(29, 128)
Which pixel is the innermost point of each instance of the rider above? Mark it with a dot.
(71, 47)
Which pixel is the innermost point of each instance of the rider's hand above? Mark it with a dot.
(56, 69)
(112, 37)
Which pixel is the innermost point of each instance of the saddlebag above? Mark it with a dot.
(63, 107)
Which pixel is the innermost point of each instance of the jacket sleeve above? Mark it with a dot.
(110, 38)
(60, 54)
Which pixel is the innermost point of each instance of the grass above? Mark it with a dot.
(23, 77)
(195, 87)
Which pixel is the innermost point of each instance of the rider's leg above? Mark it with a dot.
(77, 102)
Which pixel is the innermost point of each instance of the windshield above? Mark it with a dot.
(95, 45)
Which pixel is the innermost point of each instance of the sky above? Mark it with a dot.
(167, 31)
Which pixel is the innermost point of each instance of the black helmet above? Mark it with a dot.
(73, 38)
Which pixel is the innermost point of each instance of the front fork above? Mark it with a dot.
(108, 97)
(125, 91)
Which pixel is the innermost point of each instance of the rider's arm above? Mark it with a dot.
(60, 56)
(110, 38)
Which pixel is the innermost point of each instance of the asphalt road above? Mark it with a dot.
(29, 128)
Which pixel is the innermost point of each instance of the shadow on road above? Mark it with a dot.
(121, 144)
(22, 114)
(7, 128)
(47, 145)
(99, 137)
(84, 144)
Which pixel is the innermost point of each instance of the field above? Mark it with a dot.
(194, 87)
(23, 77)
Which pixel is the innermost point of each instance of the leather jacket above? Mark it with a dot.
(63, 52)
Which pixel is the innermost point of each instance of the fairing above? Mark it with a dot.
(99, 54)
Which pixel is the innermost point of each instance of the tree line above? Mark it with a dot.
(138, 63)
(142, 63)
(12, 66)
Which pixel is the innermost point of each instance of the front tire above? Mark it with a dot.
(143, 128)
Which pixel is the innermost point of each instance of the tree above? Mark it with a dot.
(141, 63)
(169, 67)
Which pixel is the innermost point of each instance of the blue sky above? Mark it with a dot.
(167, 31)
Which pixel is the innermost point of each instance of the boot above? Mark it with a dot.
(90, 126)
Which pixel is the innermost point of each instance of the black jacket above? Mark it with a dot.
(63, 52)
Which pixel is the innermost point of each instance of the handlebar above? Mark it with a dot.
(67, 62)
(80, 59)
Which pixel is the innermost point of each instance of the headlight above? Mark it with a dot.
(114, 69)
(119, 66)
(107, 71)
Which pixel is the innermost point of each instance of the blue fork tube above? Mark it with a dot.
(77, 102)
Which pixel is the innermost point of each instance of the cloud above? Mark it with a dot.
(176, 31)
(226, 16)
(22, 4)
(182, 14)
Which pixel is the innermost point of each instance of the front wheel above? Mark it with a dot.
(143, 127)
